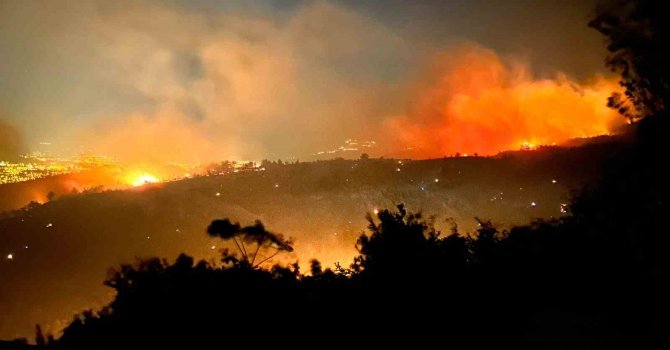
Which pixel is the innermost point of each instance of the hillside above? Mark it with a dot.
(68, 244)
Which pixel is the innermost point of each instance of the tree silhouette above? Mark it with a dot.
(637, 33)
(260, 240)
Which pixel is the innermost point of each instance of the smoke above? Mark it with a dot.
(228, 85)
(475, 102)
(152, 82)
(11, 141)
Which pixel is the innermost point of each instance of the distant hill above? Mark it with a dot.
(62, 249)
(17, 195)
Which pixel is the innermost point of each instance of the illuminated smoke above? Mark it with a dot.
(11, 141)
(480, 104)
(237, 87)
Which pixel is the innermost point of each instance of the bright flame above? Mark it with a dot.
(528, 146)
(477, 103)
(144, 179)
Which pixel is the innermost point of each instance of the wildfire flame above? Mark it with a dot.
(480, 104)
(143, 179)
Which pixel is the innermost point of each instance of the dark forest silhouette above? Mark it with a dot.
(594, 279)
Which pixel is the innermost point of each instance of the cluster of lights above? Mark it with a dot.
(38, 165)
(21, 172)
(350, 145)
(497, 197)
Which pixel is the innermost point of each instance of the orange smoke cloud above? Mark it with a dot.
(480, 104)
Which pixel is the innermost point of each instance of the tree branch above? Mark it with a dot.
(240, 249)
(258, 246)
(268, 258)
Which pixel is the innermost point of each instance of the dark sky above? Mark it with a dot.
(243, 78)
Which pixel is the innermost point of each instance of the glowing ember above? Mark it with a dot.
(564, 208)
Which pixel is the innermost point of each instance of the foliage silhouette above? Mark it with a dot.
(255, 234)
(637, 33)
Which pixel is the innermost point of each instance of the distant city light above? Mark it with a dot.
(553, 181)
(218, 194)
(37, 165)
(49, 225)
(533, 204)
(375, 210)
(10, 256)
(350, 145)
(437, 180)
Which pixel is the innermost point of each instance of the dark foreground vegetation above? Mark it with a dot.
(595, 279)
